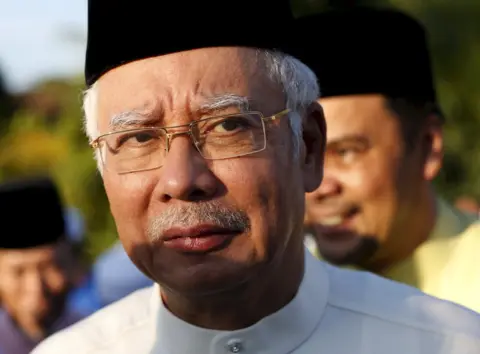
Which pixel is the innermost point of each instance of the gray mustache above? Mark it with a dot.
(213, 213)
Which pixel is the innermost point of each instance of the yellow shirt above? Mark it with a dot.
(447, 265)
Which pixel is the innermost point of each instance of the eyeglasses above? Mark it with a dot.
(215, 138)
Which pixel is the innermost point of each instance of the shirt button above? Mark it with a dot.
(235, 346)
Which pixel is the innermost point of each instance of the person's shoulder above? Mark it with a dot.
(464, 253)
(3, 315)
(103, 328)
(386, 301)
(115, 276)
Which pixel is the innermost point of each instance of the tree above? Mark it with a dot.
(7, 103)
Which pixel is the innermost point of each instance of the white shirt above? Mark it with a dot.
(335, 311)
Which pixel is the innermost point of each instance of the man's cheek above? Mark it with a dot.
(241, 174)
(127, 200)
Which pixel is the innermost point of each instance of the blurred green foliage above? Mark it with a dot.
(44, 136)
(41, 130)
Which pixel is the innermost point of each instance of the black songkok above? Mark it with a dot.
(364, 50)
(31, 213)
(123, 31)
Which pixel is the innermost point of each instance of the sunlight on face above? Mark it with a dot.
(196, 194)
(367, 186)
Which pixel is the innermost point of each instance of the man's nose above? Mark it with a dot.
(329, 187)
(34, 283)
(185, 174)
(35, 288)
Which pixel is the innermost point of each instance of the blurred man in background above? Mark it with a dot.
(84, 297)
(467, 204)
(115, 276)
(376, 208)
(37, 266)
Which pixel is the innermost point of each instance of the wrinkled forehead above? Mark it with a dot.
(28, 257)
(184, 82)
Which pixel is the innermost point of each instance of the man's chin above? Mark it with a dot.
(350, 249)
(32, 326)
(206, 277)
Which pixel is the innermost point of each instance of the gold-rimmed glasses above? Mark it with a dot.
(215, 138)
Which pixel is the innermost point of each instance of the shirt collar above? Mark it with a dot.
(424, 266)
(279, 333)
(450, 221)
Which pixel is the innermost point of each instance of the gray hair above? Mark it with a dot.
(298, 83)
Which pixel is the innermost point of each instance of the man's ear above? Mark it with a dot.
(433, 143)
(314, 140)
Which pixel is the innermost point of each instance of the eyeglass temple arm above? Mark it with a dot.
(278, 115)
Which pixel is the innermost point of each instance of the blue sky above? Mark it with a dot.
(36, 40)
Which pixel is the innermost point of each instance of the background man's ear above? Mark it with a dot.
(434, 147)
(314, 140)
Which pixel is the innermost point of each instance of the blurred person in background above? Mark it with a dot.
(37, 265)
(115, 276)
(84, 297)
(207, 144)
(468, 204)
(376, 208)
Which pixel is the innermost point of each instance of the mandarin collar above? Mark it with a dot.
(278, 333)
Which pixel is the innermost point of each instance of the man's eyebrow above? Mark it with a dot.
(225, 101)
(348, 139)
(135, 118)
(130, 119)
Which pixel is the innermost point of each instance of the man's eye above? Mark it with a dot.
(347, 155)
(136, 138)
(142, 137)
(231, 125)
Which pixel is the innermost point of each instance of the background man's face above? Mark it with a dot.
(33, 285)
(370, 184)
(468, 204)
(261, 193)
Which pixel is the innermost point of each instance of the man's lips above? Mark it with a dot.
(198, 239)
(195, 231)
(335, 219)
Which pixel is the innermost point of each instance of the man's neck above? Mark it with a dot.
(243, 307)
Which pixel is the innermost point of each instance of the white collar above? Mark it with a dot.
(279, 333)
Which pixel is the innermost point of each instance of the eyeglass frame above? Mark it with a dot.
(95, 144)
